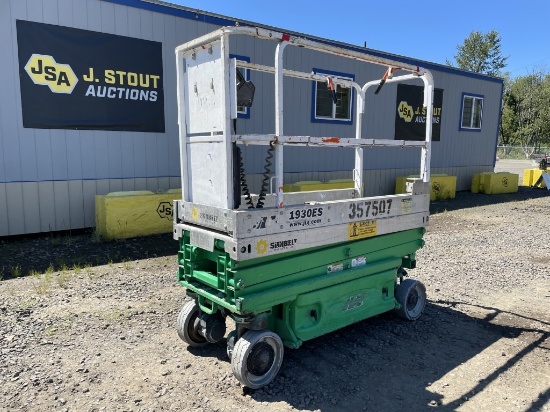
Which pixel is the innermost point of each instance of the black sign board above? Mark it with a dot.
(79, 79)
(410, 117)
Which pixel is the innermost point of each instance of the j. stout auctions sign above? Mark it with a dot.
(410, 118)
(78, 79)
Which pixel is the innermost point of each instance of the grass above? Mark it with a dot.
(16, 271)
(42, 284)
(64, 276)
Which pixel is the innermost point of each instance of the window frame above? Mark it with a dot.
(332, 120)
(474, 97)
(246, 113)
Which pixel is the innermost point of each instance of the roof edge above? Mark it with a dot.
(213, 18)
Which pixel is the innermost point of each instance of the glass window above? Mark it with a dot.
(472, 112)
(324, 107)
(242, 112)
(246, 75)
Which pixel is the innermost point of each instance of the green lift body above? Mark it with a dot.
(286, 267)
(306, 293)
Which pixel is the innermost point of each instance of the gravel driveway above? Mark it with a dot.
(92, 328)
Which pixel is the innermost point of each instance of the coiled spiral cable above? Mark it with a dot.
(265, 179)
(242, 178)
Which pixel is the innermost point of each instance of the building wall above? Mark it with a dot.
(48, 178)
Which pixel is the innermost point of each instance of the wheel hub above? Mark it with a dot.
(261, 359)
(412, 300)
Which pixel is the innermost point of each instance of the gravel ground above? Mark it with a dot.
(92, 327)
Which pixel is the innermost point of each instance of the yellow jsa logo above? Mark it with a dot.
(44, 70)
(405, 111)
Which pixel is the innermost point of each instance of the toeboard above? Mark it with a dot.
(249, 234)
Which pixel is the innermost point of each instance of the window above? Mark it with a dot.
(472, 111)
(324, 110)
(242, 112)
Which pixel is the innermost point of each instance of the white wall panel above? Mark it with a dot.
(10, 154)
(4, 228)
(151, 184)
(101, 154)
(114, 154)
(46, 206)
(44, 158)
(89, 190)
(115, 185)
(34, 9)
(163, 183)
(31, 200)
(102, 187)
(128, 185)
(108, 17)
(59, 155)
(87, 154)
(140, 184)
(14, 198)
(76, 204)
(62, 208)
(74, 150)
(93, 15)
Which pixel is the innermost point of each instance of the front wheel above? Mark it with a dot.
(257, 358)
(411, 295)
(187, 325)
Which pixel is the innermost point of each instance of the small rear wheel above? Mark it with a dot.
(411, 295)
(187, 325)
(257, 358)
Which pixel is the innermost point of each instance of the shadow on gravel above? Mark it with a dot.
(385, 363)
(464, 200)
(24, 255)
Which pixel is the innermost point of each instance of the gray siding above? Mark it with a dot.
(48, 178)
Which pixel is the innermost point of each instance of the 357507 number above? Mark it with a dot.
(370, 208)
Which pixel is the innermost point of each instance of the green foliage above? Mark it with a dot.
(481, 53)
(526, 112)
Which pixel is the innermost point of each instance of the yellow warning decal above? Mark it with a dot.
(361, 230)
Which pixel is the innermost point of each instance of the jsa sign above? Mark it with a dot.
(78, 79)
(410, 119)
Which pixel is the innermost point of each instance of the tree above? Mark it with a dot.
(526, 113)
(480, 53)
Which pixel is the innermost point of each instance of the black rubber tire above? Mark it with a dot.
(411, 295)
(252, 341)
(186, 325)
(231, 338)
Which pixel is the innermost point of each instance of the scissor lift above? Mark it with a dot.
(297, 265)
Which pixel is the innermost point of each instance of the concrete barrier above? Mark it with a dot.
(442, 186)
(310, 185)
(491, 183)
(530, 177)
(121, 215)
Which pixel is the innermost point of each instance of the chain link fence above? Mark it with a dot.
(522, 153)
